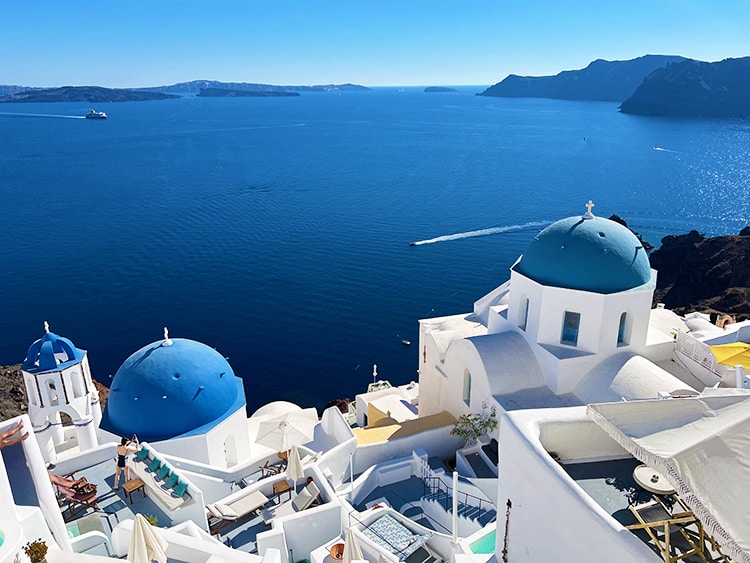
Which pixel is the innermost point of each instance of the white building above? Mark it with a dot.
(573, 325)
(58, 382)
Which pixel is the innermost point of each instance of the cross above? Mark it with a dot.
(46, 326)
(167, 341)
(589, 205)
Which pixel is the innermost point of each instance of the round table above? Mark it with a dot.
(337, 551)
(651, 480)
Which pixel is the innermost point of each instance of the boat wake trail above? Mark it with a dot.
(480, 233)
(664, 150)
(10, 114)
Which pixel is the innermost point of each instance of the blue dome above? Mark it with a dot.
(51, 353)
(592, 254)
(167, 390)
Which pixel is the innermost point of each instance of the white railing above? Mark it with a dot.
(700, 353)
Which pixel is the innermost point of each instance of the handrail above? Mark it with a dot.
(428, 481)
(411, 503)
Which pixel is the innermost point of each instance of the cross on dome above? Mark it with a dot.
(167, 341)
(588, 214)
(46, 327)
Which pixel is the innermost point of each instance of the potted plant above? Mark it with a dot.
(36, 550)
(471, 426)
(151, 519)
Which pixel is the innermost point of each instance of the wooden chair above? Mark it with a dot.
(83, 497)
(656, 520)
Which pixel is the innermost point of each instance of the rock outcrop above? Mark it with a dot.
(93, 94)
(601, 80)
(694, 88)
(704, 274)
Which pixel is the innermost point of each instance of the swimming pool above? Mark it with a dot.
(485, 544)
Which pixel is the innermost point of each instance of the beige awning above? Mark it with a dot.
(702, 445)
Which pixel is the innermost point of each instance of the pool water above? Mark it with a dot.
(485, 544)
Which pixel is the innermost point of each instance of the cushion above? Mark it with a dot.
(227, 512)
(180, 489)
(155, 464)
(172, 480)
(213, 511)
(163, 472)
(143, 453)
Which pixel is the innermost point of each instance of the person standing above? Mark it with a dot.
(126, 447)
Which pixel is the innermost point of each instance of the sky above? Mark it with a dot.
(374, 43)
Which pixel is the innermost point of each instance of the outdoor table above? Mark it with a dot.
(282, 487)
(651, 480)
(134, 485)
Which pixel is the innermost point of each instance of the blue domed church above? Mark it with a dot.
(573, 325)
(180, 395)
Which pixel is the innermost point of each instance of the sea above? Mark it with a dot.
(279, 230)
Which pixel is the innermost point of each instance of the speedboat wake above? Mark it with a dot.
(480, 233)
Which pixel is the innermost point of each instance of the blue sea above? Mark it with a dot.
(278, 230)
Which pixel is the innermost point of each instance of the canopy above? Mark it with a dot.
(702, 446)
(732, 354)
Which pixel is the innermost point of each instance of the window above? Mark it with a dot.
(621, 330)
(467, 387)
(571, 323)
(523, 312)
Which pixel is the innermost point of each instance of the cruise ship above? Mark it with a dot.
(562, 418)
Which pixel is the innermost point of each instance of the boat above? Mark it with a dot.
(93, 114)
(513, 401)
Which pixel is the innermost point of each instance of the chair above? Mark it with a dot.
(75, 498)
(233, 510)
(68, 482)
(656, 520)
(304, 500)
(88, 532)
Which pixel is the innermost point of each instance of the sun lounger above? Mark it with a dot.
(84, 496)
(68, 482)
(389, 533)
(223, 514)
(305, 499)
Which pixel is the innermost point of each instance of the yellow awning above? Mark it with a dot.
(732, 354)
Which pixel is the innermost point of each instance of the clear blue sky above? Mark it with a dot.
(385, 42)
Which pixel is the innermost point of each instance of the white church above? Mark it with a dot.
(573, 325)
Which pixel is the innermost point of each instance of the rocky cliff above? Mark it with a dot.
(195, 86)
(601, 80)
(694, 88)
(704, 274)
(93, 94)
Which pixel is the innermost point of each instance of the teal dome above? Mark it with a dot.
(587, 254)
(172, 388)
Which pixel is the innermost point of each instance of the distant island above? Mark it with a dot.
(94, 94)
(601, 80)
(694, 88)
(195, 86)
(226, 93)
(433, 89)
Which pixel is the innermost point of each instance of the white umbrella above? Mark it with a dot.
(352, 550)
(281, 432)
(145, 544)
(294, 468)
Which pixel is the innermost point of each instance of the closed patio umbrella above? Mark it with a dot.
(294, 468)
(145, 544)
(352, 550)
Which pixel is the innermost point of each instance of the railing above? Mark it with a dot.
(421, 513)
(435, 485)
(701, 354)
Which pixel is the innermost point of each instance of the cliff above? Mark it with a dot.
(195, 86)
(704, 274)
(601, 80)
(694, 88)
(94, 94)
(225, 93)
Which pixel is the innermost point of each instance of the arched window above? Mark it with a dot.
(467, 387)
(52, 393)
(523, 312)
(571, 323)
(621, 339)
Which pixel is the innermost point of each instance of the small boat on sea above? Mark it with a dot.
(93, 114)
